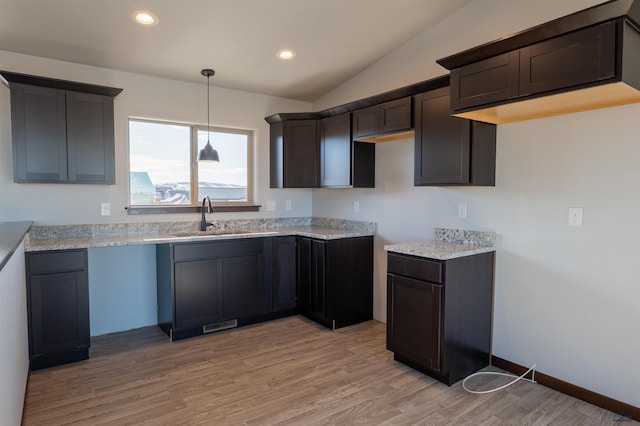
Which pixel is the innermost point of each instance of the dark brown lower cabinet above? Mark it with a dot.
(58, 307)
(213, 285)
(439, 313)
(335, 280)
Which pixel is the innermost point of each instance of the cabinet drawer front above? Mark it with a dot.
(415, 267)
(214, 249)
(56, 261)
(576, 58)
(491, 80)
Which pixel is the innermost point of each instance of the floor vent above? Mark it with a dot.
(219, 326)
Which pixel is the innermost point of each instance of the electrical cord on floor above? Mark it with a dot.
(493, 373)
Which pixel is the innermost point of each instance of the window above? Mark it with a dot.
(164, 171)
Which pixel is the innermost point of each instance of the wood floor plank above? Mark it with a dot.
(285, 372)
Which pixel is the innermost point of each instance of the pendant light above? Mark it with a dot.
(208, 153)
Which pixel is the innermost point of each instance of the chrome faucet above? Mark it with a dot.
(204, 224)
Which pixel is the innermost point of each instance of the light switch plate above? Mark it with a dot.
(575, 216)
(462, 211)
(105, 209)
(271, 206)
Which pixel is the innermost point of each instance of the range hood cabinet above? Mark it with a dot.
(584, 61)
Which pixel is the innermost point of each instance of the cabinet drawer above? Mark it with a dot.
(56, 261)
(415, 267)
(214, 249)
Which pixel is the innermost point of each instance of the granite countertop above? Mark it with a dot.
(448, 244)
(11, 235)
(87, 236)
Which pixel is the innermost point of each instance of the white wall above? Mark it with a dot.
(567, 299)
(14, 356)
(145, 97)
(122, 288)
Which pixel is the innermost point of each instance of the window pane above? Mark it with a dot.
(227, 179)
(159, 162)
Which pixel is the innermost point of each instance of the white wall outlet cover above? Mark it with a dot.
(288, 205)
(105, 209)
(356, 206)
(575, 216)
(271, 206)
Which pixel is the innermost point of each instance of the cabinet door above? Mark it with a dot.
(318, 308)
(243, 286)
(90, 138)
(198, 293)
(39, 134)
(395, 115)
(284, 273)
(311, 277)
(442, 142)
(485, 82)
(573, 59)
(414, 320)
(335, 151)
(366, 122)
(301, 154)
(58, 313)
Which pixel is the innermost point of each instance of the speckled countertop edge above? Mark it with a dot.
(448, 244)
(11, 235)
(88, 236)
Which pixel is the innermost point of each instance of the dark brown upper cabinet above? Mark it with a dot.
(579, 62)
(388, 117)
(62, 131)
(294, 151)
(451, 150)
(344, 163)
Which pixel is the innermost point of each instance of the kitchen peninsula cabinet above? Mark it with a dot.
(344, 163)
(451, 150)
(62, 131)
(439, 313)
(388, 117)
(58, 307)
(335, 280)
(208, 286)
(294, 151)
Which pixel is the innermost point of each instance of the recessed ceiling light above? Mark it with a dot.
(286, 54)
(145, 18)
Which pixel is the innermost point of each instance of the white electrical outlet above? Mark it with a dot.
(575, 216)
(462, 211)
(271, 206)
(288, 205)
(105, 209)
(356, 206)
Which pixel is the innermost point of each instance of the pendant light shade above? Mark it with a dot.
(208, 153)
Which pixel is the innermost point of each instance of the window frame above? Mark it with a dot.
(196, 206)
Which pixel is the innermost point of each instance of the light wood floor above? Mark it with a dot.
(286, 372)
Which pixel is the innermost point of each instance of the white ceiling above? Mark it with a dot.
(334, 39)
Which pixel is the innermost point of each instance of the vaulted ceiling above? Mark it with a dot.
(334, 39)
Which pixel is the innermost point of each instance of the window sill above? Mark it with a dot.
(189, 209)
